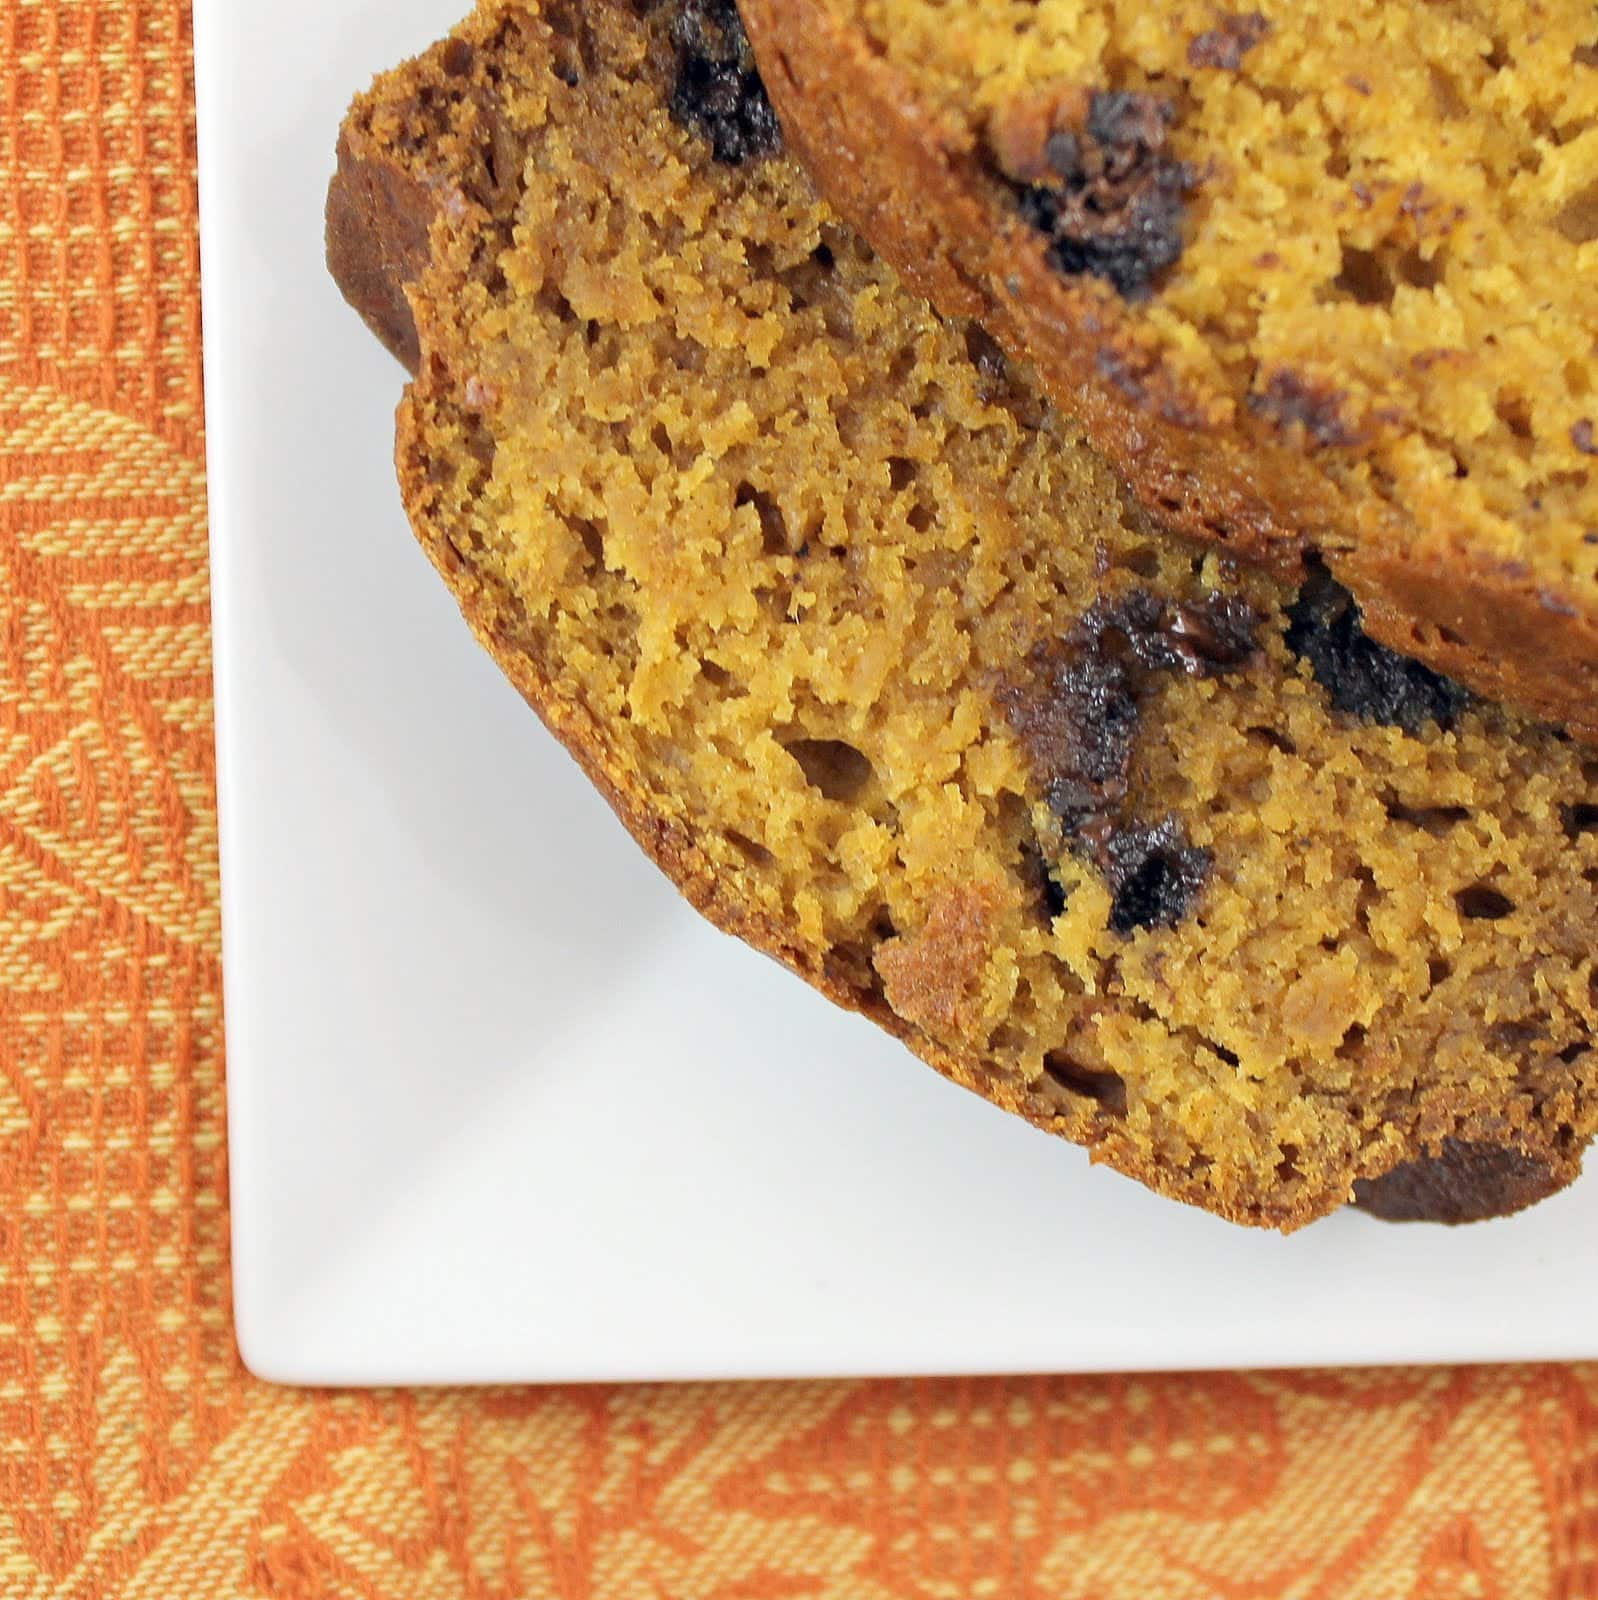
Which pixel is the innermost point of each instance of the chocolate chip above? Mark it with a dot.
(1224, 46)
(1365, 678)
(1097, 723)
(1211, 639)
(1077, 717)
(1112, 199)
(1202, 639)
(1463, 1181)
(1154, 875)
(1581, 435)
(1128, 128)
(718, 92)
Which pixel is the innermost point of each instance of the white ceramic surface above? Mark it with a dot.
(501, 1107)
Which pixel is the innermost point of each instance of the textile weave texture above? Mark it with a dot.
(136, 1456)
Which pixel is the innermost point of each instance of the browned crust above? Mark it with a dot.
(388, 221)
(923, 198)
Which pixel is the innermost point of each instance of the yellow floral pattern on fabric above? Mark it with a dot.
(137, 1458)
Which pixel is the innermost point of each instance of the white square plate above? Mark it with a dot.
(501, 1107)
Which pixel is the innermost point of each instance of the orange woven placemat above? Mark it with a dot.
(136, 1457)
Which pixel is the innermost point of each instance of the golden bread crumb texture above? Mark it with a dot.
(801, 573)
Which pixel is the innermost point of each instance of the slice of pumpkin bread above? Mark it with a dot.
(875, 657)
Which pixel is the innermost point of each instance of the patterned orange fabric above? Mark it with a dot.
(137, 1458)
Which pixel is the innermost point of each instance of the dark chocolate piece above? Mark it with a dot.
(1078, 718)
(718, 92)
(1113, 202)
(1463, 1182)
(1365, 678)
(1154, 874)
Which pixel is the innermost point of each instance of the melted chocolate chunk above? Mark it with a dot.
(1080, 729)
(1078, 718)
(1224, 46)
(1113, 200)
(1365, 678)
(718, 92)
(1154, 875)
(1202, 640)
(1464, 1181)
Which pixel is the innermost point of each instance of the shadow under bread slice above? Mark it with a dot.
(875, 657)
